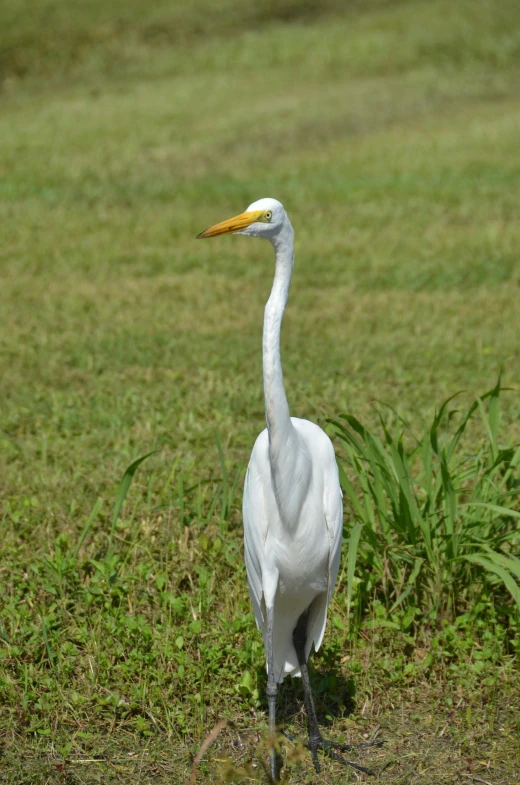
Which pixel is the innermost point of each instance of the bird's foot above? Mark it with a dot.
(275, 759)
(273, 765)
(330, 749)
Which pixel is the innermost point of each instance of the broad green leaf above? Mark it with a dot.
(502, 573)
(511, 563)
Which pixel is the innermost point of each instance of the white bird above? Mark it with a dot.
(292, 507)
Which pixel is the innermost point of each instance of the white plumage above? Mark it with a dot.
(292, 498)
(293, 543)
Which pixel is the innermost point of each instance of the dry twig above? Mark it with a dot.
(210, 738)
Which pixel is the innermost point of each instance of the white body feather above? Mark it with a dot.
(293, 544)
(292, 498)
(292, 504)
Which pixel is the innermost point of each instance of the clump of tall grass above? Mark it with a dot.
(433, 527)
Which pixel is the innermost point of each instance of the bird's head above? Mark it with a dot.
(264, 218)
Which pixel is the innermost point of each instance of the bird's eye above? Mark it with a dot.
(268, 215)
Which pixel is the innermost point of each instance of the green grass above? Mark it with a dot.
(390, 132)
(428, 517)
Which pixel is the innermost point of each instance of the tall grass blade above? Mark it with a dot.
(437, 420)
(450, 509)
(494, 414)
(224, 492)
(180, 497)
(234, 485)
(349, 490)
(411, 581)
(47, 644)
(506, 511)
(353, 544)
(124, 487)
(169, 479)
(511, 563)
(91, 518)
(501, 572)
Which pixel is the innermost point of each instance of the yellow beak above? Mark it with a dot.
(232, 224)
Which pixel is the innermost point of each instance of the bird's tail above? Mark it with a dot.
(285, 657)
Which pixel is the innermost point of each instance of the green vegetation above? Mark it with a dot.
(390, 132)
(425, 533)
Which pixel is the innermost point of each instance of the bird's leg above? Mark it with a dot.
(272, 691)
(299, 639)
(316, 741)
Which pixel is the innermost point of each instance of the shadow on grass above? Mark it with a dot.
(334, 695)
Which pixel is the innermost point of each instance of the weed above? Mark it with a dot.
(435, 529)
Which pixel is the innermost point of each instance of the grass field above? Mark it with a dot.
(390, 131)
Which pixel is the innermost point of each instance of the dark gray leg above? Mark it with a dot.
(299, 638)
(272, 691)
(316, 740)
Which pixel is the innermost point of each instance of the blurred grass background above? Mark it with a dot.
(390, 131)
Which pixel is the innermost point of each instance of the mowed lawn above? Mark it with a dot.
(390, 131)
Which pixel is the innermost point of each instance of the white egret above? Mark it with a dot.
(292, 508)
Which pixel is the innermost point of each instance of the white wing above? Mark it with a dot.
(255, 528)
(333, 509)
(322, 524)
(333, 503)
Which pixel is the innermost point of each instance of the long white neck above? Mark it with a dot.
(276, 406)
